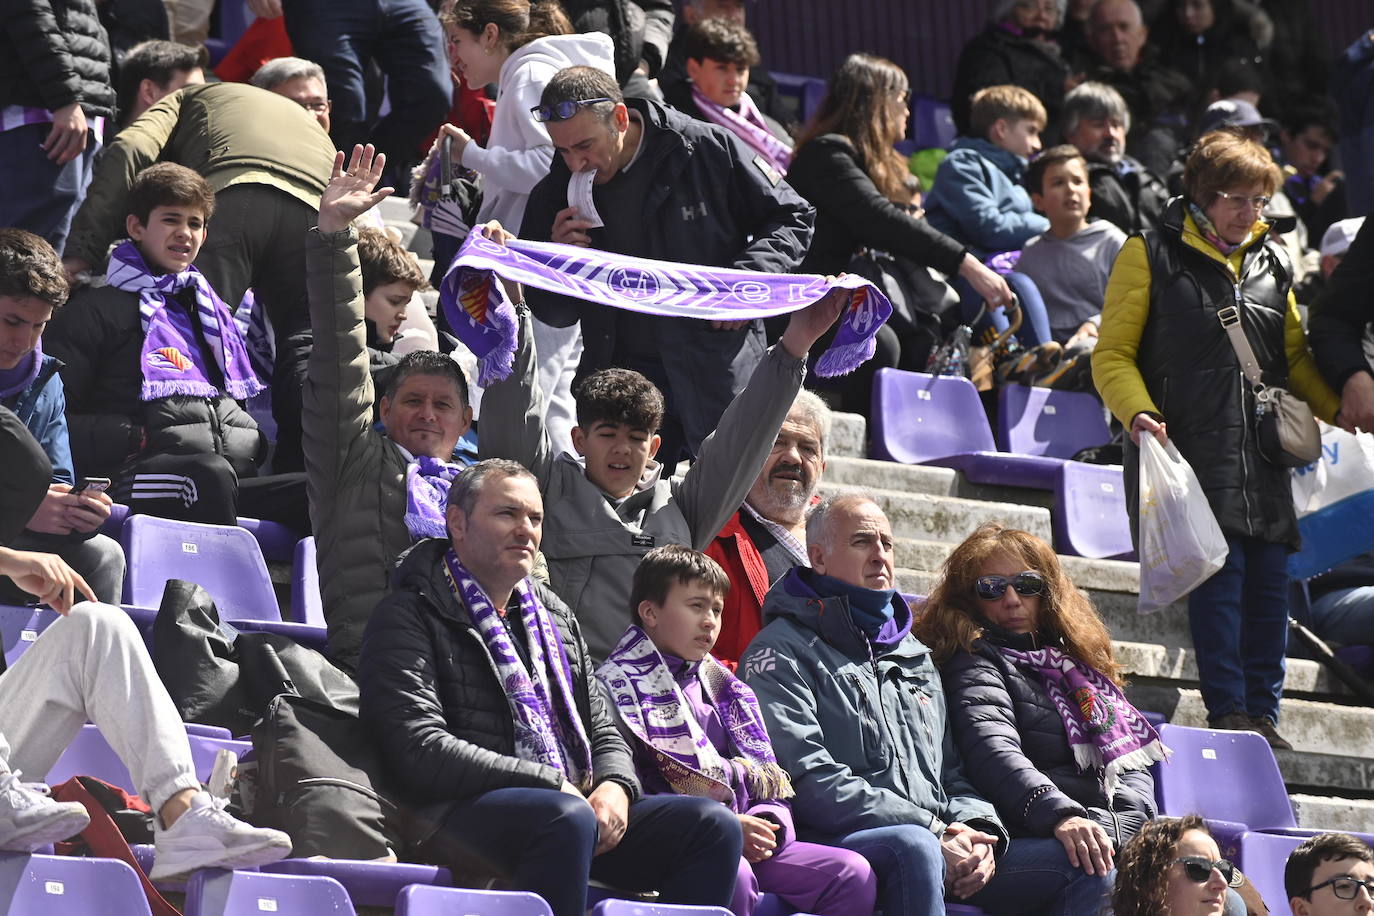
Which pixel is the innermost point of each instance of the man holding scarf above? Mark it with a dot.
(477, 687)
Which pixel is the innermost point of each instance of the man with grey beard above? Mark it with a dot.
(767, 536)
(1125, 192)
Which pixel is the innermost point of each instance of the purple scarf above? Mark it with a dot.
(548, 729)
(23, 374)
(171, 357)
(747, 124)
(653, 708)
(427, 483)
(482, 317)
(1105, 731)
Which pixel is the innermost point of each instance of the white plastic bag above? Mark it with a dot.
(1181, 544)
(1345, 468)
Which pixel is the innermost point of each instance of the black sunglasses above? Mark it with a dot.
(1026, 584)
(562, 111)
(1199, 870)
(1344, 887)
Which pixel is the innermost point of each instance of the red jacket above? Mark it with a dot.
(734, 550)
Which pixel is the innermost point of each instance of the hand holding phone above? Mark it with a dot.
(91, 485)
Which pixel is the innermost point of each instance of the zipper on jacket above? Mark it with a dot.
(1245, 419)
(216, 433)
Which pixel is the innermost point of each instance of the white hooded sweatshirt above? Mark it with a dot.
(519, 151)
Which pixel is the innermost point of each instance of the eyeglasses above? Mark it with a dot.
(1344, 887)
(1240, 201)
(1025, 584)
(1199, 870)
(562, 111)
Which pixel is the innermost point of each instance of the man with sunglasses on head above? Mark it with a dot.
(857, 715)
(635, 178)
(1331, 874)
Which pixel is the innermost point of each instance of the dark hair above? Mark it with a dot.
(1225, 159)
(672, 563)
(858, 105)
(384, 261)
(573, 84)
(1142, 867)
(466, 488)
(428, 362)
(1055, 155)
(1324, 847)
(30, 268)
(618, 396)
(155, 60)
(166, 184)
(722, 40)
(1237, 76)
(1318, 113)
(519, 21)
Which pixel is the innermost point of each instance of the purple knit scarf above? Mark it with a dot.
(548, 729)
(23, 374)
(427, 484)
(747, 124)
(484, 320)
(654, 710)
(1105, 731)
(171, 357)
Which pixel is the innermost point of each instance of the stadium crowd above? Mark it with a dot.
(598, 621)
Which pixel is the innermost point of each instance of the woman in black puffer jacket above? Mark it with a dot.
(1011, 634)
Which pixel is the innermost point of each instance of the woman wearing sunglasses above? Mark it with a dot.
(1034, 700)
(1172, 867)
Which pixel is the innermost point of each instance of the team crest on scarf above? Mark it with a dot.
(1098, 716)
(170, 359)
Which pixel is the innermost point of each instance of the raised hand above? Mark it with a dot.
(350, 191)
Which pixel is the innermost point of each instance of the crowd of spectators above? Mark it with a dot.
(575, 659)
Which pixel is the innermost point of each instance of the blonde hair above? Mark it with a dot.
(1010, 102)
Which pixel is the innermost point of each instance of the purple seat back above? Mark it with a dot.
(367, 883)
(20, 626)
(277, 542)
(306, 605)
(1222, 775)
(90, 754)
(427, 900)
(223, 559)
(1089, 517)
(1262, 858)
(920, 418)
(615, 907)
(115, 523)
(1042, 421)
(214, 892)
(69, 886)
(962, 909)
(932, 123)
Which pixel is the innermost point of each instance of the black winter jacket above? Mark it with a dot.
(1133, 201)
(53, 53)
(851, 213)
(998, 57)
(98, 334)
(1016, 752)
(1342, 312)
(640, 29)
(431, 697)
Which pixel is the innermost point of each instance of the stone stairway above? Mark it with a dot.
(1330, 773)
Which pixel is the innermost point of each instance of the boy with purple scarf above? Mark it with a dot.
(697, 730)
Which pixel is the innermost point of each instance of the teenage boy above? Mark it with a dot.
(696, 729)
(611, 504)
(391, 277)
(155, 368)
(1071, 261)
(1330, 874)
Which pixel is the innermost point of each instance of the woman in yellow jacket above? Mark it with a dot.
(1163, 355)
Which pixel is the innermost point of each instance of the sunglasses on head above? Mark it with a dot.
(562, 111)
(1199, 870)
(1026, 584)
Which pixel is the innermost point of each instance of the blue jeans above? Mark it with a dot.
(1239, 620)
(1346, 616)
(908, 863)
(541, 840)
(1034, 876)
(1035, 323)
(406, 41)
(40, 195)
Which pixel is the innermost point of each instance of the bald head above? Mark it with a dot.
(848, 537)
(1117, 33)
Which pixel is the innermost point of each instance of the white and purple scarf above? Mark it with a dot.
(1105, 731)
(656, 712)
(171, 359)
(479, 312)
(747, 124)
(548, 729)
(427, 484)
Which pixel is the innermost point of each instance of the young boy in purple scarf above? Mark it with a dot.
(696, 730)
(155, 370)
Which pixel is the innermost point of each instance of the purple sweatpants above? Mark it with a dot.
(824, 880)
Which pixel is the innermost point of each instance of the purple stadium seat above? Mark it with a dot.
(1089, 516)
(808, 91)
(115, 523)
(69, 886)
(224, 559)
(962, 909)
(90, 754)
(427, 900)
(278, 542)
(1154, 718)
(306, 606)
(367, 883)
(1262, 858)
(932, 123)
(1042, 421)
(614, 907)
(20, 626)
(214, 892)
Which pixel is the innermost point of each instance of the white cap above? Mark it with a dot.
(1338, 236)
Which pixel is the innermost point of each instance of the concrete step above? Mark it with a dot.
(1320, 774)
(1157, 664)
(887, 475)
(1351, 815)
(848, 436)
(945, 518)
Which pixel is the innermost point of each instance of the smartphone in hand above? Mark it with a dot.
(90, 485)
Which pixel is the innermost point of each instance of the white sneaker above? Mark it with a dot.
(207, 836)
(30, 818)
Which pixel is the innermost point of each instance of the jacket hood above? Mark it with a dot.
(1010, 163)
(592, 49)
(794, 597)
